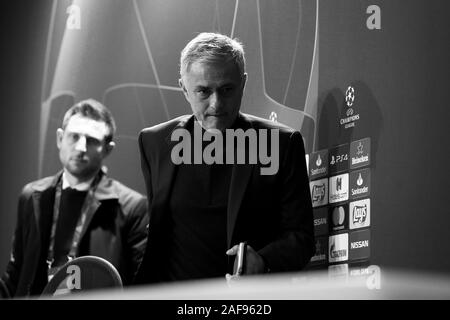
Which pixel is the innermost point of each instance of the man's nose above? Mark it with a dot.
(215, 100)
(81, 144)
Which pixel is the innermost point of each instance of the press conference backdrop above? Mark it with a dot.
(365, 82)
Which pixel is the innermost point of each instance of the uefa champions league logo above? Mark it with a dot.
(349, 99)
(351, 118)
(350, 96)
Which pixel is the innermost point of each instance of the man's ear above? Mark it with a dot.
(109, 147)
(244, 80)
(59, 136)
(181, 84)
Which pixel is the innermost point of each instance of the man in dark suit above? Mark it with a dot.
(201, 210)
(77, 212)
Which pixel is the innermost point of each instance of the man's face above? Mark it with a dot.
(214, 91)
(82, 146)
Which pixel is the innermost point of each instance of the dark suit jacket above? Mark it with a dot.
(116, 231)
(272, 213)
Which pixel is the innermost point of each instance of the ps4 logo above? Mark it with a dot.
(338, 159)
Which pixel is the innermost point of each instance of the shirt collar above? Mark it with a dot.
(83, 186)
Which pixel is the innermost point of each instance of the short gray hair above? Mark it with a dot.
(209, 46)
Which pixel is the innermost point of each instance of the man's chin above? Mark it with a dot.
(215, 125)
(80, 173)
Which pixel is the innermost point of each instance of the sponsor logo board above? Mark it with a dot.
(338, 248)
(338, 219)
(320, 221)
(319, 192)
(360, 183)
(359, 214)
(338, 159)
(338, 188)
(360, 153)
(318, 165)
(359, 245)
(350, 115)
(320, 255)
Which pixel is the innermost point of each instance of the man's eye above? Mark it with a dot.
(227, 90)
(203, 92)
(92, 141)
(73, 136)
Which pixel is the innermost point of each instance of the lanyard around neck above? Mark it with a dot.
(80, 224)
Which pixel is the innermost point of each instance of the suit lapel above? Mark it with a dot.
(101, 191)
(166, 175)
(40, 204)
(87, 213)
(43, 199)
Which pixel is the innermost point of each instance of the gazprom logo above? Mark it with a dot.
(338, 248)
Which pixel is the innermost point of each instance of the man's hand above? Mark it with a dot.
(254, 263)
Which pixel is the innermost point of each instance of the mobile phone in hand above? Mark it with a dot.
(240, 256)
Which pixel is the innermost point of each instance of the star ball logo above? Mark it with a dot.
(360, 153)
(350, 96)
(320, 254)
(351, 118)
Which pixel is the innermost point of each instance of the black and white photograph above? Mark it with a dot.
(224, 155)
